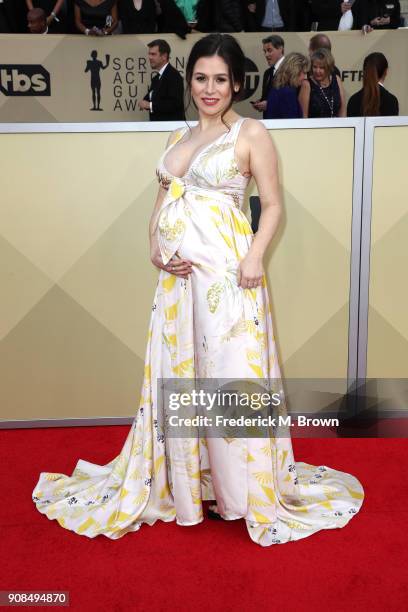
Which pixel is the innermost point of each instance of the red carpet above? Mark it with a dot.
(213, 565)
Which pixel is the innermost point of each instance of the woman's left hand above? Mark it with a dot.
(250, 272)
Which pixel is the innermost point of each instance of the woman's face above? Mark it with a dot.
(318, 70)
(302, 76)
(210, 85)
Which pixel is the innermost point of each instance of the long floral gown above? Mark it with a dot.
(205, 327)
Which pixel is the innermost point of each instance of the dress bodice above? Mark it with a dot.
(324, 101)
(211, 180)
(95, 16)
(213, 168)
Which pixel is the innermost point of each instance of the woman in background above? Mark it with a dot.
(373, 100)
(283, 100)
(137, 16)
(189, 10)
(96, 18)
(322, 94)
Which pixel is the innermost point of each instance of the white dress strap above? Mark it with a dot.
(235, 129)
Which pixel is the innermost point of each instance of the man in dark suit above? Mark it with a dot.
(37, 21)
(273, 15)
(274, 51)
(9, 16)
(165, 97)
(303, 16)
(328, 13)
(377, 14)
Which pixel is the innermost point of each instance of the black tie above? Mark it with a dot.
(155, 81)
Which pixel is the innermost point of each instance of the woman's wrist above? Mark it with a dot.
(255, 254)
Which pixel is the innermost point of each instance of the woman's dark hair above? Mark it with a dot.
(374, 68)
(226, 47)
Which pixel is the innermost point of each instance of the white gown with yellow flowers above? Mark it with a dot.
(203, 327)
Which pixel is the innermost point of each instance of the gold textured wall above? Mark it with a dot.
(77, 284)
(387, 355)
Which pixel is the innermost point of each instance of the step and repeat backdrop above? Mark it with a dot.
(387, 346)
(48, 78)
(77, 283)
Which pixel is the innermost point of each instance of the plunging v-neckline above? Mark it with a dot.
(195, 157)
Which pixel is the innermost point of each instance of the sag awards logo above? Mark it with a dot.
(24, 80)
(94, 67)
(132, 75)
(251, 78)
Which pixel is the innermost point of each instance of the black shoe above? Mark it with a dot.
(214, 515)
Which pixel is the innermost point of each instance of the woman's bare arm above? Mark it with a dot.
(115, 20)
(263, 165)
(160, 196)
(343, 109)
(176, 265)
(58, 6)
(155, 214)
(304, 98)
(78, 19)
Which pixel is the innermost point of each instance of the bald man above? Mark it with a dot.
(37, 21)
(322, 41)
(319, 41)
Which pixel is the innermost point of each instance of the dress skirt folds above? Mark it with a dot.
(203, 327)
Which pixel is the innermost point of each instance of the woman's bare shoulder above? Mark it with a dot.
(255, 132)
(175, 135)
(253, 127)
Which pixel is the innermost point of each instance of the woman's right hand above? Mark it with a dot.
(176, 265)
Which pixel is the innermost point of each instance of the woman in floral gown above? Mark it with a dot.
(211, 319)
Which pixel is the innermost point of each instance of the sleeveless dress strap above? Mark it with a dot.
(233, 134)
(179, 135)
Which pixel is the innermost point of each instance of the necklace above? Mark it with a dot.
(329, 102)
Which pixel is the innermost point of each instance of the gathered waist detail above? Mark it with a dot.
(179, 189)
(175, 211)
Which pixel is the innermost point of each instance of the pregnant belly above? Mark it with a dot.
(214, 234)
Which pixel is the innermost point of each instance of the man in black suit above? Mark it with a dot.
(328, 13)
(165, 97)
(377, 14)
(273, 15)
(303, 16)
(9, 16)
(274, 51)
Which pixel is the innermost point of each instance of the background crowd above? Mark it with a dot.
(294, 86)
(102, 17)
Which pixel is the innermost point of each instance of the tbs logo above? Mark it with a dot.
(24, 80)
